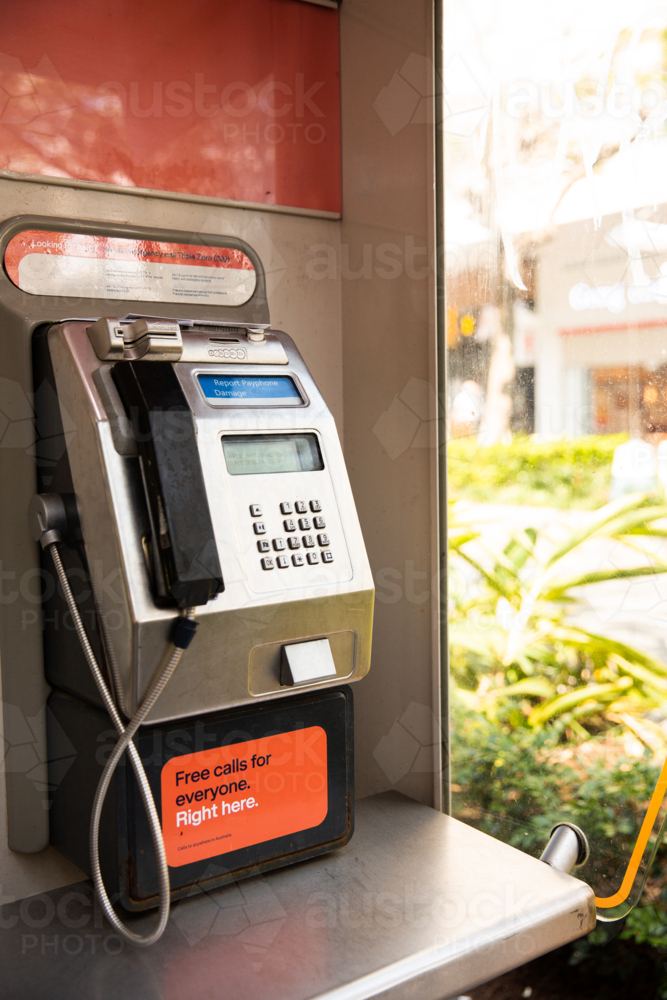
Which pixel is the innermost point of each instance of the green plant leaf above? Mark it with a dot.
(634, 521)
(492, 580)
(600, 576)
(602, 517)
(627, 652)
(540, 687)
(546, 711)
(642, 674)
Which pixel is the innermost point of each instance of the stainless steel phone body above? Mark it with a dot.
(237, 654)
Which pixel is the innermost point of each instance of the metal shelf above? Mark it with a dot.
(417, 905)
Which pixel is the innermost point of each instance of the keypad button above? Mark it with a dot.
(279, 544)
(304, 523)
(315, 505)
(263, 545)
(319, 522)
(283, 562)
(313, 557)
(327, 556)
(259, 528)
(301, 507)
(298, 559)
(308, 541)
(289, 525)
(255, 510)
(294, 542)
(267, 562)
(286, 508)
(323, 539)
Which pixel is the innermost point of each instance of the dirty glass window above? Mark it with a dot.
(556, 308)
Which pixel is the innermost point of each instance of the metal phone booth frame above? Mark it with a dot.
(417, 902)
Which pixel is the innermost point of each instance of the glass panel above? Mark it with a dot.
(556, 270)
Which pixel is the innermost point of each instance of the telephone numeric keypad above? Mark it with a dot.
(318, 549)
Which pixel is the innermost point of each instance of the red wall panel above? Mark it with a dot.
(224, 98)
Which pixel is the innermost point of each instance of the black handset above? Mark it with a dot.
(185, 556)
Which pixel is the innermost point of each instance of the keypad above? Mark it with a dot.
(317, 547)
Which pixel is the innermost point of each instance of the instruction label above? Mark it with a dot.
(223, 799)
(105, 267)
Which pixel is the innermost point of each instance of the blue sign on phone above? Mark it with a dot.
(250, 390)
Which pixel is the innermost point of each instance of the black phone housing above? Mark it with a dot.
(80, 739)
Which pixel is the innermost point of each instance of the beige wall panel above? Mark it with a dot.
(389, 402)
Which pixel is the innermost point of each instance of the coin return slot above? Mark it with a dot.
(306, 663)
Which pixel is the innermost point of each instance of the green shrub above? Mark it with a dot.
(514, 785)
(568, 472)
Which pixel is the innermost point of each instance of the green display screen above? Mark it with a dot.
(258, 454)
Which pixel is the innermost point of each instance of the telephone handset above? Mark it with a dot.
(184, 554)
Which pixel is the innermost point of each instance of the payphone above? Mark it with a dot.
(193, 481)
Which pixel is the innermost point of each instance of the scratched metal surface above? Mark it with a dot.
(417, 905)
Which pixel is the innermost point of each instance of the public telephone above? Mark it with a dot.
(195, 481)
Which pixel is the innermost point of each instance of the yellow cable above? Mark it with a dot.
(640, 846)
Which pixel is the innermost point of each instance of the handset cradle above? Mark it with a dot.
(184, 554)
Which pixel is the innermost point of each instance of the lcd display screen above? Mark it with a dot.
(258, 454)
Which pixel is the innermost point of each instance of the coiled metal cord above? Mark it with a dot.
(126, 734)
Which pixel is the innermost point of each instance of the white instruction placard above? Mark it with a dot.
(78, 265)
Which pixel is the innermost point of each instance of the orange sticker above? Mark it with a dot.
(230, 797)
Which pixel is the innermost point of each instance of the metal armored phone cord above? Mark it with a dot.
(126, 734)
